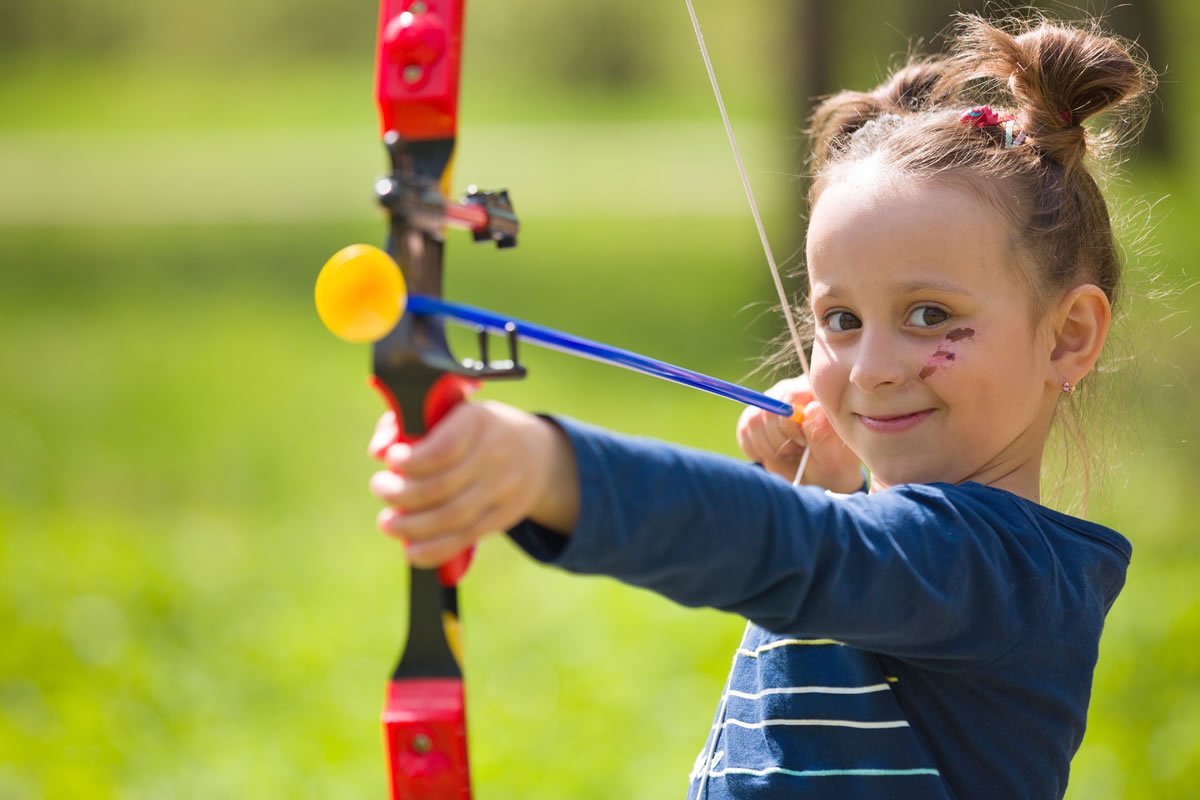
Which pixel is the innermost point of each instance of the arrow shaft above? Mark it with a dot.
(596, 351)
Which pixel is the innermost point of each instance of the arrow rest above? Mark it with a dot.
(419, 214)
(412, 195)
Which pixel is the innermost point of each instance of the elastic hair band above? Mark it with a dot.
(1010, 140)
(985, 117)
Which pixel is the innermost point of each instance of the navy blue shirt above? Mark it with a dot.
(928, 641)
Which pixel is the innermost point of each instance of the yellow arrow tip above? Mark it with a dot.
(360, 293)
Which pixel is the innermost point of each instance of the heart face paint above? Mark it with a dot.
(944, 356)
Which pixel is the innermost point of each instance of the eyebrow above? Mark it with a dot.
(911, 287)
(949, 287)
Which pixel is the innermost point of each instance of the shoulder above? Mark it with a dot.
(976, 502)
(1020, 511)
(989, 520)
(1091, 558)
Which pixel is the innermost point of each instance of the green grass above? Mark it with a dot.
(194, 602)
(194, 598)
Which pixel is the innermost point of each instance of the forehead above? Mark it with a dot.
(870, 222)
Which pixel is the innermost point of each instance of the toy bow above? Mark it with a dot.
(395, 300)
(419, 49)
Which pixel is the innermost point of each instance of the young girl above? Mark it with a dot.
(935, 637)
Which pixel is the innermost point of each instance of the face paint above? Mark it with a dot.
(958, 334)
(939, 358)
(943, 357)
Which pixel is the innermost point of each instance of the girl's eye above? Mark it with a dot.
(839, 321)
(927, 316)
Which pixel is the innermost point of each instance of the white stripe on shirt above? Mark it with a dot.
(741, 651)
(821, 773)
(833, 723)
(876, 687)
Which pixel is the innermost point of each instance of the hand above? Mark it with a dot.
(483, 468)
(778, 443)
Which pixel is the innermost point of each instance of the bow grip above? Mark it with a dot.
(446, 392)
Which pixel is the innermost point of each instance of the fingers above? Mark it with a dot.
(778, 437)
(447, 444)
(437, 523)
(834, 465)
(774, 441)
(386, 431)
(794, 390)
(779, 443)
(413, 492)
(479, 470)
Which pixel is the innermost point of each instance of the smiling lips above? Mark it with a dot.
(896, 423)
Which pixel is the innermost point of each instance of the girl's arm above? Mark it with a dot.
(951, 574)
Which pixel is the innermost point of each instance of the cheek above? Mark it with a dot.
(827, 376)
(949, 352)
(940, 359)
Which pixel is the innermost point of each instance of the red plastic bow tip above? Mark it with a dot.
(416, 40)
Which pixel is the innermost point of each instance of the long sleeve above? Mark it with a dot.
(946, 575)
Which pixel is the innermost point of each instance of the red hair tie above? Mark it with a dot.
(980, 117)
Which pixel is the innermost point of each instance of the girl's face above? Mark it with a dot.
(926, 359)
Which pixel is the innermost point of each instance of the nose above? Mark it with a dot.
(878, 361)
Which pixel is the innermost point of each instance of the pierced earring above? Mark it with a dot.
(1068, 389)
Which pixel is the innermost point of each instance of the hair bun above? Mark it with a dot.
(1057, 76)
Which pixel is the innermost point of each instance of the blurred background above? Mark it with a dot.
(193, 600)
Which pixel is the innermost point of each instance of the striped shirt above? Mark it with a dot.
(814, 716)
(925, 642)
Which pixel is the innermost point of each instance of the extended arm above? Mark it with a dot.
(954, 574)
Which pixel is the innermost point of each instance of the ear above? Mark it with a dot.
(1081, 327)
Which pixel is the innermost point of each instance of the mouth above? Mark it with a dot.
(894, 423)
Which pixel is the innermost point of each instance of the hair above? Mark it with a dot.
(1050, 79)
